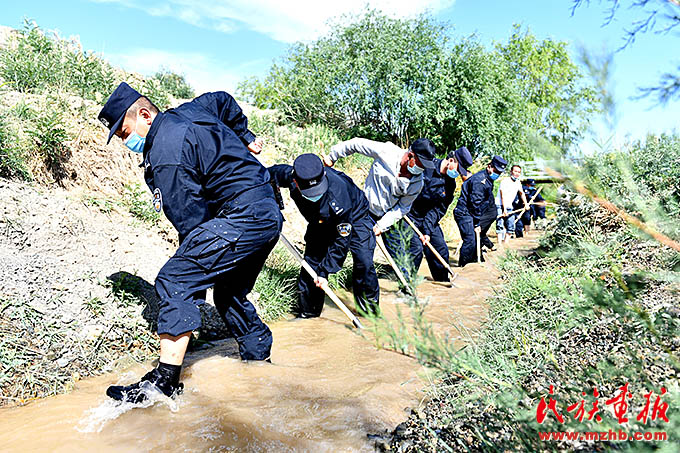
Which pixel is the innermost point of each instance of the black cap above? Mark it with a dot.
(464, 159)
(310, 175)
(114, 110)
(499, 163)
(531, 182)
(425, 150)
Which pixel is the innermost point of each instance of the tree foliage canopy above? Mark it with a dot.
(398, 79)
(551, 84)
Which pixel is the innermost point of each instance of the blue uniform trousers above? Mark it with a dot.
(364, 278)
(417, 249)
(226, 252)
(468, 251)
(537, 212)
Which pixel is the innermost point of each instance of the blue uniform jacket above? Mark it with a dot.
(195, 160)
(339, 208)
(476, 195)
(435, 198)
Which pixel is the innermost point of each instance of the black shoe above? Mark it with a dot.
(486, 242)
(139, 392)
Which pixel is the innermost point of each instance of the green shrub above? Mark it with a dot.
(49, 134)
(35, 62)
(175, 84)
(153, 89)
(12, 158)
(138, 202)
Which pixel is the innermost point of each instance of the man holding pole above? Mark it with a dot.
(430, 207)
(510, 187)
(393, 182)
(339, 221)
(475, 201)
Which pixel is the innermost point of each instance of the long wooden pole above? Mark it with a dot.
(293, 251)
(432, 249)
(388, 257)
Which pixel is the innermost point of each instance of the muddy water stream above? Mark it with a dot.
(326, 389)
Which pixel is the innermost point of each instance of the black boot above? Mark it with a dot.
(164, 379)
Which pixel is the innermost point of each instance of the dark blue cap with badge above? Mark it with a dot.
(114, 110)
(425, 150)
(499, 163)
(531, 182)
(464, 159)
(310, 175)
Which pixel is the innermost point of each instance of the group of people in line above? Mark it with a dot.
(199, 164)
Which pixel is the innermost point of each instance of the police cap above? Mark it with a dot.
(310, 175)
(464, 159)
(424, 149)
(531, 182)
(499, 163)
(114, 110)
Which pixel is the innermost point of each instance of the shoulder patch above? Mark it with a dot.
(337, 209)
(483, 181)
(344, 229)
(157, 200)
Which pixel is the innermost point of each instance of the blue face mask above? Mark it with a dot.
(415, 170)
(135, 142)
(312, 199)
(453, 174)
(494, 176)
(513, 178)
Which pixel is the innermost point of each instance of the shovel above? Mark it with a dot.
(293, 251)
(381, 244)
(432, 249)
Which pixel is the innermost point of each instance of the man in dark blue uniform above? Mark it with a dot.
(538, 206)
(475, 202)
(534, 211)
(431, 206)
(218, 197)
(339, 221)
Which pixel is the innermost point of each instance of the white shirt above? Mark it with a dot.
(509, 189)
(390, 196)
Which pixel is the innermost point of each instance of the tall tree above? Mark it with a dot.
(559, 101)
(367, 76)
(473, 101)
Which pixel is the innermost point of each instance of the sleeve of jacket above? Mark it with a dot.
(356, 145)
(337, 251)
(401, 208)
(282, 174)
(224, 106)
